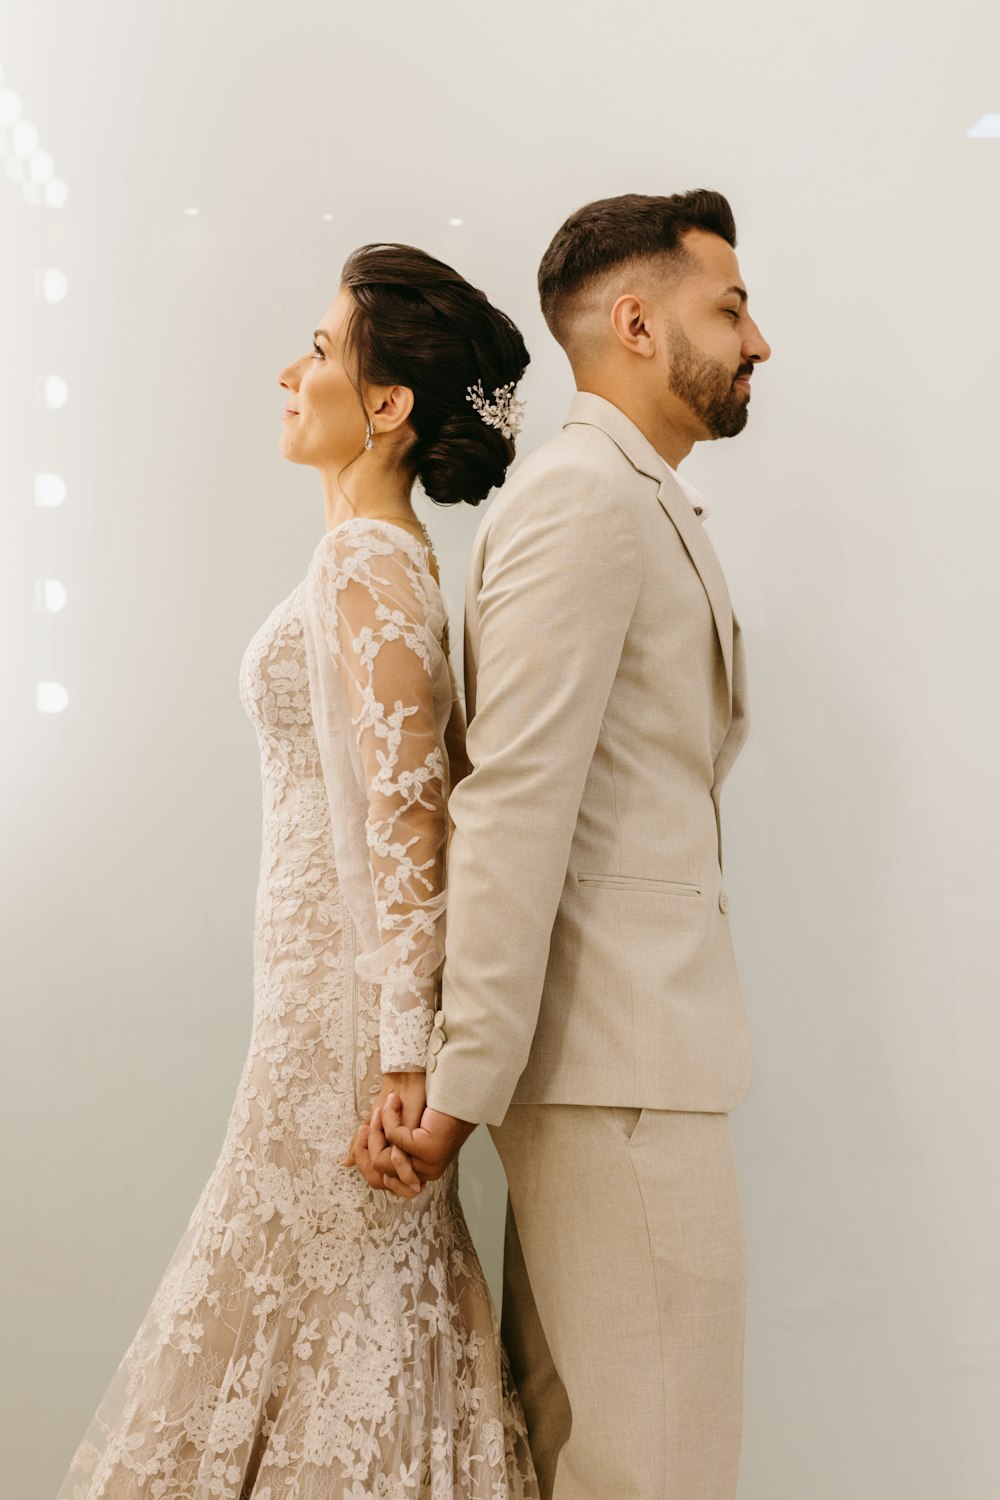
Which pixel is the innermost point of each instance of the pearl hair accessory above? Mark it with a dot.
(504, 411)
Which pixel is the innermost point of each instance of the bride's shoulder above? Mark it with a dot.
(361, 538)
(370, 557)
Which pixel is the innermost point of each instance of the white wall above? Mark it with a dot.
(857, 519)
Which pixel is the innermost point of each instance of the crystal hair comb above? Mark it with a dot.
(504, 411)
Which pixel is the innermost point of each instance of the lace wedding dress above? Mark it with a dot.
(312, 1339)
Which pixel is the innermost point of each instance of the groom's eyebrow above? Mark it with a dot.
(736, 291)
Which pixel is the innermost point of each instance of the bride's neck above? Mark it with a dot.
(378, 490)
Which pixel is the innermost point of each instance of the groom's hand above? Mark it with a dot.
(429, 1149)
(372, 1154)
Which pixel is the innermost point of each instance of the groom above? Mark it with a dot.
(591, 1012)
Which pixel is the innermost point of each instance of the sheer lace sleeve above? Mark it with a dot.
(382, 696)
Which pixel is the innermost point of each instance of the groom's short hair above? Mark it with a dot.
(616, 231)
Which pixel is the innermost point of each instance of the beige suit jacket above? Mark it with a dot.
(588, 951)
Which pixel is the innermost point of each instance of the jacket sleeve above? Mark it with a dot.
(560, 579)
(382, 696)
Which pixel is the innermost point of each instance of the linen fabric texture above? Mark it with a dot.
(589, 958)
(625, 1299)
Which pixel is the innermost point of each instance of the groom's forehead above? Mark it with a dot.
(715, 262)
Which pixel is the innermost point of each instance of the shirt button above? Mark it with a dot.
(723, 901)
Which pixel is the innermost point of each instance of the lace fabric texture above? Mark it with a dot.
(311, 1339)
(373, 620)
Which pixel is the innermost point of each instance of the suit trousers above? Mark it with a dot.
(624, 1299)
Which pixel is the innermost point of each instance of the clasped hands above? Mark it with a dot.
(405, 1144)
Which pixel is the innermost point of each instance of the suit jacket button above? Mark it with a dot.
(431, 1063)
(723, 901)
(439, 1019)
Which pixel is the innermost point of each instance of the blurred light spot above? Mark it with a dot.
(328, 218)
(41, 166)
(25, 138)
(50, 490)
(456, 223)
(54, 284)
(56, 392)
(51, 595)
(192, 213)
(986, 128)
(51, 697)
(10, 107)
(56, 192)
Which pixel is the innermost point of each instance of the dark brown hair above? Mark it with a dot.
(611, 231)
(417, 322)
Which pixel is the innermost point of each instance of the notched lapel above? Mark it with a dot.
(595, 411)
(701, 552)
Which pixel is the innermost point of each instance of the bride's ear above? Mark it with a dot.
(391, 406)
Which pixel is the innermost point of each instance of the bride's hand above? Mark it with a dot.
(381, 1164)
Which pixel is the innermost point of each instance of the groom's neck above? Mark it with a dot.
(662, 420)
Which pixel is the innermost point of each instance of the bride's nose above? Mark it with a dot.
(288, 377)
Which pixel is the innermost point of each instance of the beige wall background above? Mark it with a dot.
(857, 520)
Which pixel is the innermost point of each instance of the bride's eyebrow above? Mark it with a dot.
(321, 333)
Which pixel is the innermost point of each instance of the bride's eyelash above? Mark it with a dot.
(317, 348)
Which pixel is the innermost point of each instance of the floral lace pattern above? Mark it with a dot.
(373, 620)
(311, 1339)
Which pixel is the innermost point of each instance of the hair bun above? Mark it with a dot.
(465, 460)
(417, 322)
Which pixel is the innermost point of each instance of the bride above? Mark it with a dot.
(314, 1338)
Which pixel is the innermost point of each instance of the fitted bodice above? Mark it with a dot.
(349, 689)
(274, 690)
(298, 899)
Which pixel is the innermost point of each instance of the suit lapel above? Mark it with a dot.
(595, 411)
(701, 552)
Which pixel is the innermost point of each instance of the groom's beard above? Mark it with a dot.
(706, 386)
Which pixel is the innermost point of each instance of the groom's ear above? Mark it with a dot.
(630, 323)
(391, 406)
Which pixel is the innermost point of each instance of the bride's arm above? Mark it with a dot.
(388, 694)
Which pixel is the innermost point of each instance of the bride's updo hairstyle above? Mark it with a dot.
(416, 322)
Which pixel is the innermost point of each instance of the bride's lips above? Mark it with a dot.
(289, 411)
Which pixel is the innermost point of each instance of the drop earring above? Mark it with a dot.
(370, 436)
